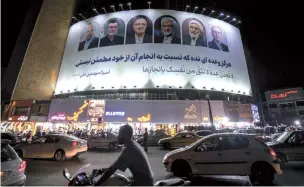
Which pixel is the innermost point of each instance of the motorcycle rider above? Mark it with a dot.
(133, 157)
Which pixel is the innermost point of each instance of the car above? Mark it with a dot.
(55, 146)
(289, 146)
(225, 154)
(153, 138)
(203, 133)
(12, 137)
(12, 166)
(104, 140)
(275, 136)
(179, 140)
(246, 131)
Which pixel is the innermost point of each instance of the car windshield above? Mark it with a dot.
(284, 137)
(7, 153)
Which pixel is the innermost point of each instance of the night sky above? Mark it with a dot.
(271, 30)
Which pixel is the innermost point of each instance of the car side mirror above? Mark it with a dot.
(66, 174)
(199, 149)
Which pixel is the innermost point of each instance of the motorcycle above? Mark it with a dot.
(81, 178)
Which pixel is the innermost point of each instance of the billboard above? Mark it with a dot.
(291, 93)
(153, 49)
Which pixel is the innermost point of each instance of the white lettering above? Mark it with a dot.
(111, 113)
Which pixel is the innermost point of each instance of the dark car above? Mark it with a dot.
(10, 136)
(289, 146)
(203, 133)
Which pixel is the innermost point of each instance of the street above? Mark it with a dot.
(49, 173)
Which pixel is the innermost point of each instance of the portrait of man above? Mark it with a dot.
(216, 43)
(139, 30)
(168, 34)
(194, 33)
(112, 37)
(91, 41)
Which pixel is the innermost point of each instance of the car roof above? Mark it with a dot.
(204, 131)
(5, 141)
(9, 133)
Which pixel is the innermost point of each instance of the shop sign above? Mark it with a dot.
(59, 117)
(190, 113)
(96, 108)
(112, 113)
(80, 110)
(22, 118)
(144, 118)
(283, 94)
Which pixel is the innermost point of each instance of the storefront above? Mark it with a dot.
(72, 114)
(169, 116)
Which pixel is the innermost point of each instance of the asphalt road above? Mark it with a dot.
(49, 173)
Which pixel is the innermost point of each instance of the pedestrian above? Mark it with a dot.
(146, 140)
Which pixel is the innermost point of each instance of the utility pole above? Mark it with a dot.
(210, 113)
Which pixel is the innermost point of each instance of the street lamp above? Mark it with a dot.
(221, 14)
(121, 6)
(187, 6)
(129, 4)
(104, 9)
(113, 7)
(94, 9)
(149, 3)
(297, 122)
(203, 10)
(211, 12)
(226, 17)
(82, 16)
(195, 9)
(232, 20)
(75, 18)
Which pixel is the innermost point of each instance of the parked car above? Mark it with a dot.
(246, 131)
(12, 166)
(225, 154)
(289, 146)
(104, 140)
(153, 138)
(275, 136)
(179, 140)
(14, 138)
(203, 133)
(56, 146)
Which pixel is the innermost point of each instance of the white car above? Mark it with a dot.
(153, 138)
(12, 167)
(104, 140)
(289, 146)
(179, 140)
(56, 146)
(225, 154)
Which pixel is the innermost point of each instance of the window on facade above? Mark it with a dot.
(300, 103)
(273, 105)
(286, 105)
(20, 111)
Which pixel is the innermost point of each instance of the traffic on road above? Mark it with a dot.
(177, 160)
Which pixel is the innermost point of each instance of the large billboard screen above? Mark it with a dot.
(153, 49)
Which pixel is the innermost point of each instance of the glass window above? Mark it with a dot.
(300, 103)
(286, 105)
(235, 142)
(50, 139)
(204, 133)
(211, 144)
(273, 105)
(189, 135)
(284, 136)
(7, 153)
(20, 111)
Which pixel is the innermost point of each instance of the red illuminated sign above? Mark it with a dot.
(283, 95)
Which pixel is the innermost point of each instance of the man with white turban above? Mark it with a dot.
(216, 43)
(196, 35)
(168, 26)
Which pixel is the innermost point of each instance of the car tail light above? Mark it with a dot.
(22, 166)
(75, 143)
(272, 153)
